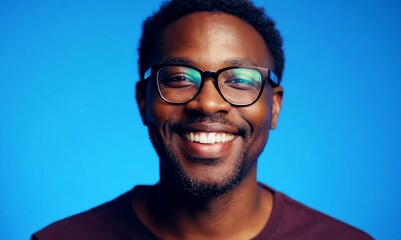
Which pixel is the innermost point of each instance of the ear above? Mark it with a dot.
(277, 99)
(140, 95)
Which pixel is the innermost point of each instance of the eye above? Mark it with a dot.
(177, 80)
(245, 79)
(241, 83)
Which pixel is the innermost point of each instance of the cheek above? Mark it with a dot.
(158, 112)
(258, 115)
(154, 106)
(259, 120)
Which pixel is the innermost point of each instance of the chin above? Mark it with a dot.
(209, 183)
(205, 178)
(207, 190)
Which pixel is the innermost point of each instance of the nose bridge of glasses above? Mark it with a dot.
(208, 75)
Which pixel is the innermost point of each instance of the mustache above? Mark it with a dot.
(215, 118)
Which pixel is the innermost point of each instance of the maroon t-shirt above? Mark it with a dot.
(116, 220)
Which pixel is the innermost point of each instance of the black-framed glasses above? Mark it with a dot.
(240, 86)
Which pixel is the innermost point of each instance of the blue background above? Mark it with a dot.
(71, 137)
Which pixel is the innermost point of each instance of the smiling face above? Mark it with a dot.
(207, 145)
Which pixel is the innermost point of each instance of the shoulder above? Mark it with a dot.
(112, 220)
(78, 226)
(301, 218)
(294, 220)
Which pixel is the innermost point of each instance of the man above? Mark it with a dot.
(209, 94)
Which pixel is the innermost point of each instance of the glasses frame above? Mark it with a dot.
(265, 73)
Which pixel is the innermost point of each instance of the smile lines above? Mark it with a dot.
(208, 137)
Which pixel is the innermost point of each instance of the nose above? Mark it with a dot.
(208, 101)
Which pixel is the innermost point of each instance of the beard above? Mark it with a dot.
(188, 184)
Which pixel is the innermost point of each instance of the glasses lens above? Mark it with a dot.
(178, 84)
(240, 85)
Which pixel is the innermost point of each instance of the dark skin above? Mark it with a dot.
(209, 41)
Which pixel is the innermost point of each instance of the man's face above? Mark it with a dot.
(237, 135)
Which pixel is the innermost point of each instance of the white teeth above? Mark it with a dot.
(191, 137)
(203, 138)
(218, 138)
(212, 137)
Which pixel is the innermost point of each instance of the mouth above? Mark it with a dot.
(208, 140)
(208, 137)
(208, 145)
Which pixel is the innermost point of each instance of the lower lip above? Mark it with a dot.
(201, 150)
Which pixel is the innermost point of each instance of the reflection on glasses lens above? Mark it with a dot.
(178, 84)
(240, 85)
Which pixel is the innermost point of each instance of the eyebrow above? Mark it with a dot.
(177, 60)
(239, 62)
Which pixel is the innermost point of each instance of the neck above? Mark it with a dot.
(171, 213)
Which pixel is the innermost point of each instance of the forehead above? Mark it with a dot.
(214, 40)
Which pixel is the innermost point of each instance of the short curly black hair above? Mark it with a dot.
(244, 9)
